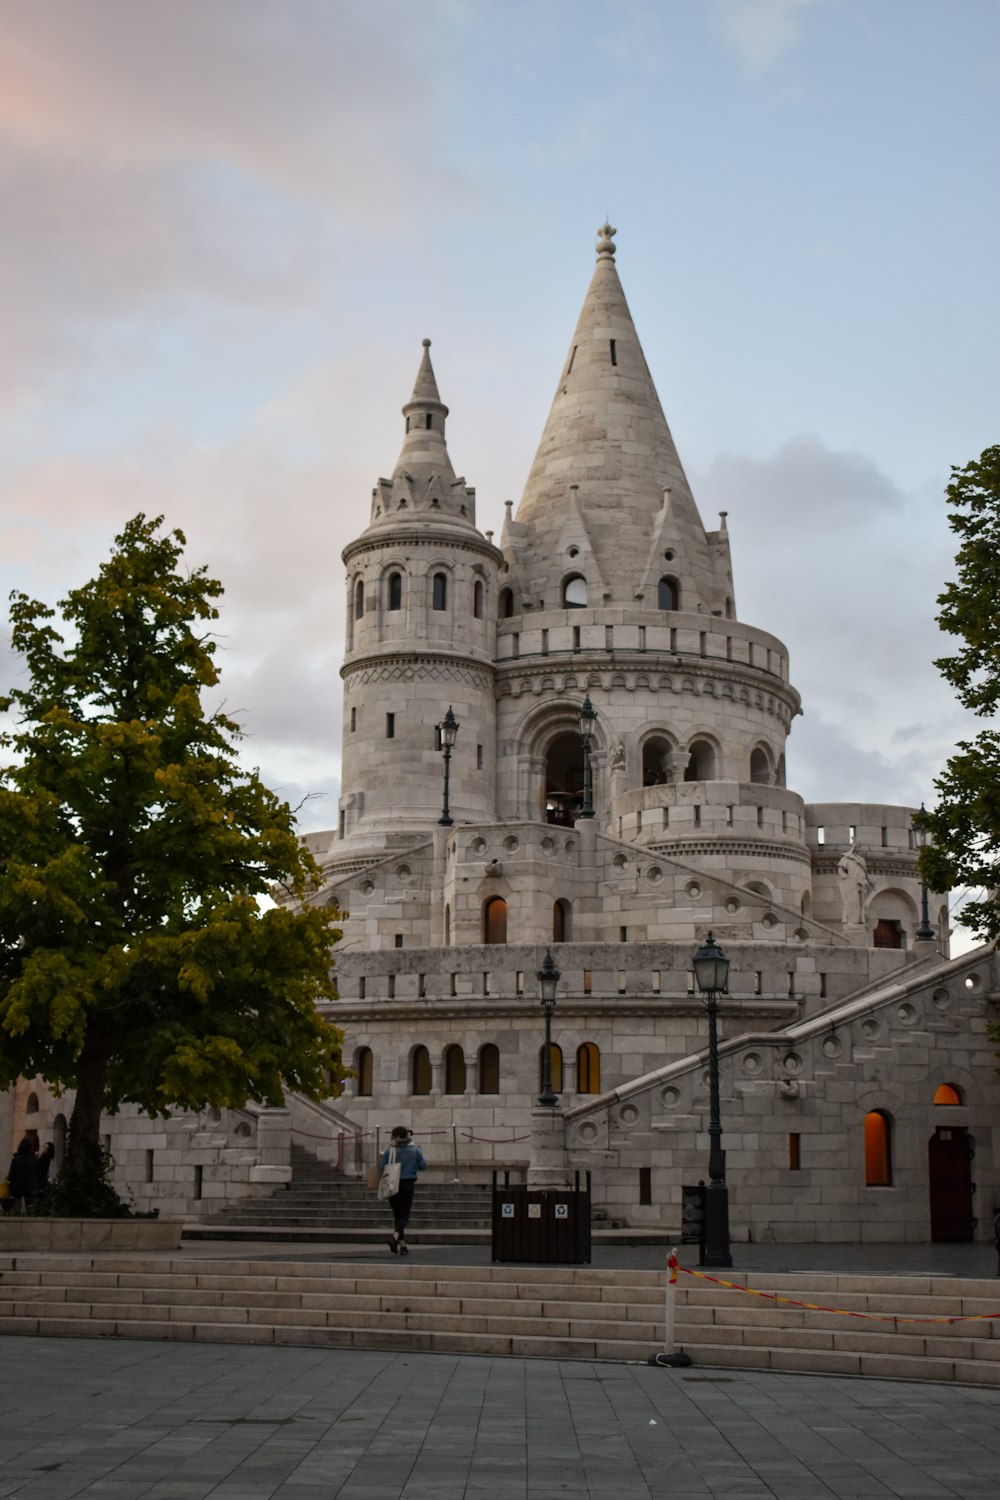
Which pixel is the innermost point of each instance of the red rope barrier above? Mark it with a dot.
(842, 1312)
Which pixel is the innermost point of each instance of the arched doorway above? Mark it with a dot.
(949, 1161)
(564, 778)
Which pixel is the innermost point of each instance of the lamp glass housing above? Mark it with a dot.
(548, 979)
(711, 968)
(588, 714)
(449, 730)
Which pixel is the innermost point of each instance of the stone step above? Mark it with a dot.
(555, 1312)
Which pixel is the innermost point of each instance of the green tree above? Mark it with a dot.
(965, 825)
(136, 965)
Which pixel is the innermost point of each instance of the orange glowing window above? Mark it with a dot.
(947, 1093)
(878, 1158)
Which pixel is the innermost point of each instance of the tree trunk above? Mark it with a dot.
(84, 1136)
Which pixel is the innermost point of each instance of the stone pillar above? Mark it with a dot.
(547, 1167)
(274, 1147)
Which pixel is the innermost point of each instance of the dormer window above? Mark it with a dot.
(668, 595)
(575, 592)
(439, 599)
(395, 591)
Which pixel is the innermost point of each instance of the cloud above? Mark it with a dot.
(760, 31)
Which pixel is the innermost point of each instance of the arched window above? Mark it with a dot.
(760, 766)
(363, 1068)
(489, 1069)
(440, 591)
(575, 592)
(359, 599)
(878, 1149)
(564, 778)
(447, 926)
(555, 1059)
(505, 604)
(655, 761)
(588, 1068)
(420, 1071)
(701, 766)
(947, 1093)
(562, 921)
(31, 1105)
(495, 920)
(454, 1070)
(668, 595)
(477, 600)
(394, 590)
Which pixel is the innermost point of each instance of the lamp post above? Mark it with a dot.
(711, 971)
(925, 932)
(448, 729)
(548, 979)
(588, 715)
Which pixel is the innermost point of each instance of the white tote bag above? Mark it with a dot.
(389, 1184)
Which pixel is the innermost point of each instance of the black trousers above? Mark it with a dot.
(401, 1203)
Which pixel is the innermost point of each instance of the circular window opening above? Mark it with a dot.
(669, 554)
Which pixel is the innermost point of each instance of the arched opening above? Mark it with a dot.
(760, 888)
(495, 920)
(887, 933)
(575, 592)
(489, 1069)
(805, 905)
(439, 591)
(363, 1068)
(562, 921)
(668, 594)
(477, 600)
(564, 778)
(420, 1071)
(656, 760)
(454, 1070)
(701, 765)
(947, 1093)
(878, 1149)
(31, 1105)
(588, 1068)
(447, 926)
(760, 766)
(394, 591)
(556, 1065)
(505, 604)
(359, 599)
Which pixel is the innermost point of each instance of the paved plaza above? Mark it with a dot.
(87, 1417)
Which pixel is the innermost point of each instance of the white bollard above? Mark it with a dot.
(669, 1355)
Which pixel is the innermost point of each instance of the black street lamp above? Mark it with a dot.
(925, 932)
(711, 972)
(548, 979)
(588, 716)
(448, 729)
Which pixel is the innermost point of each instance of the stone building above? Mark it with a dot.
(616, 789)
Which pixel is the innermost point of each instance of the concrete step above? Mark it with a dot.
(564, 1312)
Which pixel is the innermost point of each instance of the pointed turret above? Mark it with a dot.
(604, 461)
(423, 480)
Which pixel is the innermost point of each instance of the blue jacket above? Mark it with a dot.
(410, 1158)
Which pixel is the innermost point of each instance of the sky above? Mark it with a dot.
(227, 226)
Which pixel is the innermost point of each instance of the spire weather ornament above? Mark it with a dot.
(605, 244)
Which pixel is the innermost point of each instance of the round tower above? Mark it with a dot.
(421, 612)
(615, 590)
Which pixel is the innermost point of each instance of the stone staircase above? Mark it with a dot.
(530, 1311)
(321, 1203)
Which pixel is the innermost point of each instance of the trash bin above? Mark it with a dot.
(548, 1226)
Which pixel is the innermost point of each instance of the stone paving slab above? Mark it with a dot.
(191, 1421)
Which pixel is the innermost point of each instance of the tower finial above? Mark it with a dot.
(605, 244)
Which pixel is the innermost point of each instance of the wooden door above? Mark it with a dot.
(950, 1165)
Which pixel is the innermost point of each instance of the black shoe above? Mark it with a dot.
(393, 1246)
(403, 1249)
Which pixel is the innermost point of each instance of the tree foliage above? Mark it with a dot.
(136, 963)
(965, 825)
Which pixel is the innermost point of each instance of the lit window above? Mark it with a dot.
(588, 1068)
(878, 1152)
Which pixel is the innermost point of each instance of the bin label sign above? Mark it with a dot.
(562, 1210)
(506, 1210)
(534, 1210)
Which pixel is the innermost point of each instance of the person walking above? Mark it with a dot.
(411, 1161)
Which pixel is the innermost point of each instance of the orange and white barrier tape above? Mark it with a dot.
(842, 1312)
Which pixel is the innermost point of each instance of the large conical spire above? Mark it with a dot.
(607, 467)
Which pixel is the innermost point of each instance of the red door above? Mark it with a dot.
(950, 1162)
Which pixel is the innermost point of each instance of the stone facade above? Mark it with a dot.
(619, 857)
